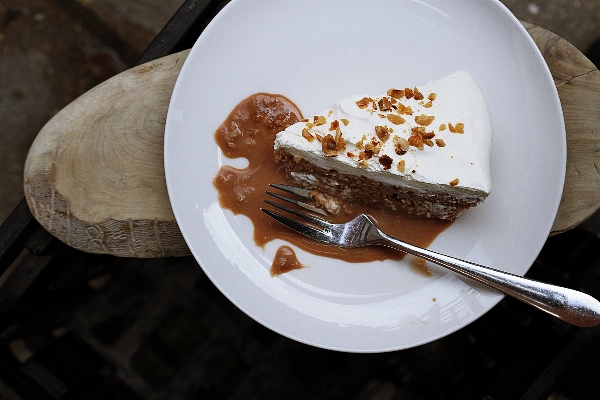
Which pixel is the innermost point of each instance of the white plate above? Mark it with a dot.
(316, 52)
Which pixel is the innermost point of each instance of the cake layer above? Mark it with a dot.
(345, 188)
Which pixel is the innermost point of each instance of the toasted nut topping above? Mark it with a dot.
(408, 92)
(345, 121)
(416, 141)
(306, 135)
(424, 120)
(384, 104)
(395, 119)
(319, 120)
(428, 135)
(319, 137)
(309, 125)
(329, 146)
(374, 146)
(401, 165)
(406, 110)
(382, 133)
(400, 145)
(304, 120)
(363, 164)
(442, 127)
(340, 144)
(386, 161)
(418, 95)
(458, 128)
(440, 142)
(429, 104)
(363, 103)
(396, 93)
(432, 96)
(428, 142)
(417, 130)
(335, 124)
(454, 182)
(365, 155)
(350, 154)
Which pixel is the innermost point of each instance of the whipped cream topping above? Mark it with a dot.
(439, 133)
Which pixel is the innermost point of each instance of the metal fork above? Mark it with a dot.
(569, 305)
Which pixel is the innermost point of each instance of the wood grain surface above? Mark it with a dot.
(94, 176)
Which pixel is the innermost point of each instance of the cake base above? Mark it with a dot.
(356, 189)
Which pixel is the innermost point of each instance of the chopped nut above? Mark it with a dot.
(401, 165)
(384, 104)
(309, 125)
(427, 135)
(345, 121)
(335, 124)
(396, 93)
(350, 154)
(406, 110)
(458, 128)
(454, 182)
(319, 137)
(373, 147)
(428, 142)
(408, 92)
(416, 141)
(432, 96)
(424, 120)
(400, 145)
(395, 119)
(440, 143)
(418, 95)
(306, 135)
(429, 104)
(365, 155)
(304, 120)
(340, 144)
(329, 146)
(363, 164)
(442, 127)
(319, 120)
(386, 161)
(417, 130)
(363, 103)
(382, 133)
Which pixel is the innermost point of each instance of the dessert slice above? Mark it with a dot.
(425, 150)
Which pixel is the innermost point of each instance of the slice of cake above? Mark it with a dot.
(424, 149)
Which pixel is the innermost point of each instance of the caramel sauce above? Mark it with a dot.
(285, 260)
(249, 131)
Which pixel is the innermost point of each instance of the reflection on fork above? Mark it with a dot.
(571, 306)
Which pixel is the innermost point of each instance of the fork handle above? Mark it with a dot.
(569, 305)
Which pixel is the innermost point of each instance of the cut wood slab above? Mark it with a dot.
(94, 176)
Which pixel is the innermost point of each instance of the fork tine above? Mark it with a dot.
(292, 189)
(306, 230)
(315, 220)
(306, 206)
